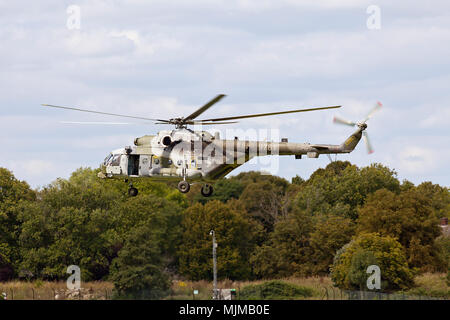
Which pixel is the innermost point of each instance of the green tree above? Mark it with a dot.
(138, 271)
(386, 251)
(246, 178)
(266, 198)
(342, 187)
(439, 196)
(297, 180)
(288, 250)
(52, 240)
(236, 237)
(13, 192)
(409, 217)
(6, 268)
(85, 221)
(164, 214)
(224, 190)
(357, 273)
(331, 232)
(265, 202)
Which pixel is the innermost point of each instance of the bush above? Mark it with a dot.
(367, 248)
(275, 290)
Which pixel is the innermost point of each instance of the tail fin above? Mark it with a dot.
(351, 142)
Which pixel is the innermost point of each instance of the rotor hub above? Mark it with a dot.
(362, 125)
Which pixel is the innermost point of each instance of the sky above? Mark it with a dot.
(162, 59)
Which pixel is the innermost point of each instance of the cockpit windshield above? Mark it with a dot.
(112, 160)
(107, 159)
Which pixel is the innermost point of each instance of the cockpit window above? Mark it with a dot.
(107, 159)
(115, 160)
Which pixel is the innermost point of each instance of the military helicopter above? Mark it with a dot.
(199, 156)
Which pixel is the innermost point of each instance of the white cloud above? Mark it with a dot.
(436, 117)
(164, 59)
(417, 160)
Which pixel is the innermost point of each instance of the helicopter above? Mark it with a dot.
(190, 156)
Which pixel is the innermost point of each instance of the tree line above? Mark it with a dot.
(338, 221)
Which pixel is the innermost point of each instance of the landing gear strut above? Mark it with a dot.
(206, 190)
(184, 186)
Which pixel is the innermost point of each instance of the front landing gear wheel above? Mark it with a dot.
(184, 186)
(206, 190)
(132, 192)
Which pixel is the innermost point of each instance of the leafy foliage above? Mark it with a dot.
(84, 221)
(265, 226)
(224, 190)
(330, 234)
(372, 248)
(12, 193)
(409, 217)
(235, 235)
(138, 271)
(341, 187)
(288, 250)
(357, 273)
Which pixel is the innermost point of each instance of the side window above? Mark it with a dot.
(116, 160)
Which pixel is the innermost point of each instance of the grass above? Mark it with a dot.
(432, 285)
(314, 285)
(45, 290)
(317, 288)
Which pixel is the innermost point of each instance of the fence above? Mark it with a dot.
(328, 293)
(338, 294)
(27, 293)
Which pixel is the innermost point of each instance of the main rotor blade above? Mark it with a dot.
(367, 141)
(105, 113)
(342, 121)
(204, 107)
(211, 123)
(268, 114)
(93, 122)
(375, 109)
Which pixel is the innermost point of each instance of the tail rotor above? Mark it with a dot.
(361, 125)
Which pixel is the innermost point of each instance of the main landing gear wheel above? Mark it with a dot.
(206, 190)
(132, 192)
(184, 186)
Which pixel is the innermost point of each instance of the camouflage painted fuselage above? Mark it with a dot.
(200, 156)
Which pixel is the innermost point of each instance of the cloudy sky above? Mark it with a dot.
(166, 58)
